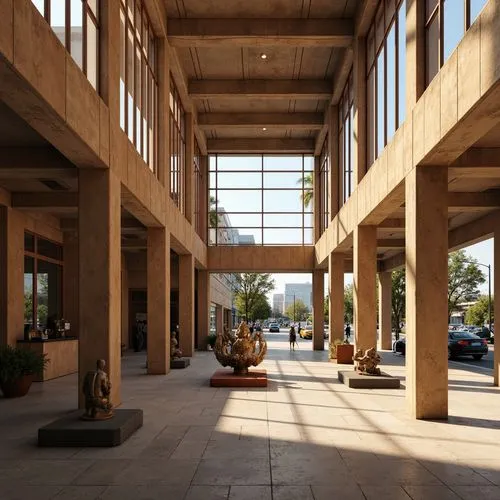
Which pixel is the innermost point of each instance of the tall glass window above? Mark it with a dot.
(198, 186)
(138, 80)
(346, 139)
(76, 25)
(324, 165)
(43, 268)
(386, 78)
(177, 146)
(261, 200)
(446, 23)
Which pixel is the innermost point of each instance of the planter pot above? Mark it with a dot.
(345, 352)
(16, 388)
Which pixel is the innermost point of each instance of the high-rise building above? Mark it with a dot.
(278, 303)
(302, 291)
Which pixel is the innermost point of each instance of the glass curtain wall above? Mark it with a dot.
(138, 80)
(43, 268)
(76, 25)
(261, 200)
(346, 139)
(386, 75)
(324, 162)
(177, 146)
(446, 24)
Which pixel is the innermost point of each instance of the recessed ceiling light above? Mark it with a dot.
(264, 129)
(263, 56)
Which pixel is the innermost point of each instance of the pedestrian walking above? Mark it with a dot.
(348, 331)
(292, 338)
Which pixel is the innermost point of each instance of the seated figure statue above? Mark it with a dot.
(175, 352)
(97, 388)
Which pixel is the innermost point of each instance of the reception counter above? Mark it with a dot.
(62, 354)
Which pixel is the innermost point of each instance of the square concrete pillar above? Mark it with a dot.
(336, 296)
(99, 292)
(385, 310)
(186, 304)
(427, 292)
(158, 280)
(496, 298)
(365, 291)
(203, 312)
(318, 309)
(219, 319)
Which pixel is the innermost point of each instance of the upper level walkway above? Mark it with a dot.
(305, 437)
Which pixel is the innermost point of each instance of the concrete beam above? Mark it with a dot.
(260, 145)
(476, 163)
(44, 200)
(301, 121)
(38, 173)
(392, 223)
(391, 243)
(268, 89)
(260, 32)
(485, 199)
(34, 159)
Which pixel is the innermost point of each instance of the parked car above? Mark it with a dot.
(460, 343)
(274, 328)
(307, 332)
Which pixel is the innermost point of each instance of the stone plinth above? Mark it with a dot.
(226, 378)
(179, 363)
(71, 431)
(355, 380)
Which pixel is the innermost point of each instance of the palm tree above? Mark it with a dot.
(307, 195)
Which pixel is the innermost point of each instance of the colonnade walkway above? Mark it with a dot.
(304, 437)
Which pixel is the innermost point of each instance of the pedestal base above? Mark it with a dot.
(72, 431)
(354, 380)
(226, 378)
(179, 363)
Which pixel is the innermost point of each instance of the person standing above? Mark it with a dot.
(292, 338)
(348, 331)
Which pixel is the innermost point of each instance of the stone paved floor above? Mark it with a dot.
(304, 437)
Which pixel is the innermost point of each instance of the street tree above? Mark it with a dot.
(298, 311)
(348, 304)
(261, 308)
(477, 314)
(398, 299)
(464, 278)
(249, 289)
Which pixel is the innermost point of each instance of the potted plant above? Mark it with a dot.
(345, 352)
(211, 339)
(18, 366)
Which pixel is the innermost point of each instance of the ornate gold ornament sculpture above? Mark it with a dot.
(240, 351)
(97, 388)
(175, 352)
(367, 361)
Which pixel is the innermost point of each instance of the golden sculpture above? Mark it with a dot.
(240, 351)
(367, 361)
(97, 388)
(175, 352)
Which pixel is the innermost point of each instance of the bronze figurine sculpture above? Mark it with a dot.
(175, 352)
(240, 351)
(367, 361)
(97, 388)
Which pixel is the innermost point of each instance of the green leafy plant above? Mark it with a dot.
(212, 337)
(333, 348)
(16, 362)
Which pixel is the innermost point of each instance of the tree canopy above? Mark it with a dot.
(250, 288)
(398, 298)
(478, 313)
(261, 308)
(301, 311)
(348, 304)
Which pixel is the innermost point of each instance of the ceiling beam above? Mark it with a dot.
(260, 32)
(301, 121)
(392, 223)
(260, 145)
(254, 89)
(38, 173)
(391, 243)
(44, 200)
(34, 158)
(480, 163)
(135, 244)
(128, 225)
(485, 199)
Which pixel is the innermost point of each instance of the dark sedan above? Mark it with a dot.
(460, 343)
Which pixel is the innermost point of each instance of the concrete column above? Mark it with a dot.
(336, 296)
(203, 312)
(70, 281)
(99, 275)
(186, 304)
(426, 292)
(317, 199)
(189, 171)
(385, 310)
(158, 271)
(415, 52)
(365, 292)
(359, 125)
(335, 175)
(496, 299)
(219, 319)
(11, 276)
(318, 309)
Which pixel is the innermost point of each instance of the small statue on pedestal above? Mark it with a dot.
(97, 388)
(175, 352)
(367, 361)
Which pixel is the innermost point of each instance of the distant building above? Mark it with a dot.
(278, 303)
(302, 291)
